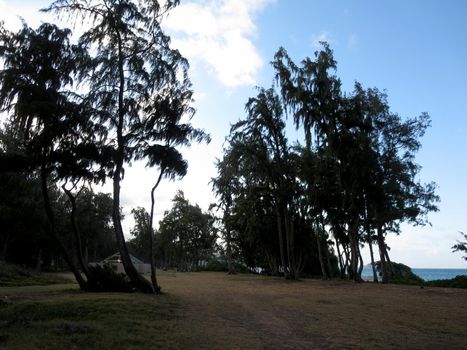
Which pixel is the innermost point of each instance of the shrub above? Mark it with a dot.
(106, 279)
(456, 282)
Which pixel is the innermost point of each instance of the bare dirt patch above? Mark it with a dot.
(253, 312)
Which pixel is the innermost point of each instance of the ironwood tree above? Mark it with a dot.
(139, 88)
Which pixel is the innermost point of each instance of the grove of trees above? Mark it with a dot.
(79, 112)
(290, 208)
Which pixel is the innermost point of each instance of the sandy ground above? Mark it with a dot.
(254, 312)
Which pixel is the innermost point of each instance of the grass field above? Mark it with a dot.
(215, 311)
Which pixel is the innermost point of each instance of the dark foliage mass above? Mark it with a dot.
(80, 112)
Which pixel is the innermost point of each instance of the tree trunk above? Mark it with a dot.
(155, 285)
(289, 237)
(138, 281)
(388, 262)
(354, 249)
(382, 254)
(77, 234)
(339, 258)
(228, 241)
(373, 266)
(320, 253)
(281, 243)
(51, 229)
(360, 263)
(230, 265)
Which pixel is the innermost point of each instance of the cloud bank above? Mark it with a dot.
(219, 34)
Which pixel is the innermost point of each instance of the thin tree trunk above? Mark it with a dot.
(389, 263)
(353, 235)
(51, 229)
(339, 258)
(77, 234)
(373, 266)
(138, 281)
(290, 246)
(228, 242)
(155, 285)
(281, 242)
(360, 261)
(320, 254)
(382, 254)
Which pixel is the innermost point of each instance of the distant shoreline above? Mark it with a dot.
(428, 274)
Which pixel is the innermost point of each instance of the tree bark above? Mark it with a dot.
(138, 281)
(76, 233)
(354, 249)
(339, 258)
(51, 229)
(281, 243)
(320, 254)
(155, 285)
(382, 254)
(289, 237)
(373, 266)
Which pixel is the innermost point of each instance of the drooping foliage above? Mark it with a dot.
(355, 179)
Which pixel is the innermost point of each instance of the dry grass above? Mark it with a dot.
(217, 311)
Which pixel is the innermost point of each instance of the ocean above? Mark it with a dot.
(426, 274)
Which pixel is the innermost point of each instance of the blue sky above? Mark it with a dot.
(415, 50)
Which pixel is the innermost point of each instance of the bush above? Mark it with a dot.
(456, 282)
(402, 274)
(105, 279)
(221, 265)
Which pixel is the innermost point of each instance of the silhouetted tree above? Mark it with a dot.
(139, 86)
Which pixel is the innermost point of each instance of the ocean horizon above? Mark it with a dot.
(428, 274)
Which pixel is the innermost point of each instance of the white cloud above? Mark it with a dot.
(219, 34)
(317, 39)
(11, 12)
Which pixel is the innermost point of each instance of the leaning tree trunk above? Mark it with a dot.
(76, 233)
(382, 255)
(51, 229)
(339, 256)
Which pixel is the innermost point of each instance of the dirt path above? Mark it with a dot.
(252, 312)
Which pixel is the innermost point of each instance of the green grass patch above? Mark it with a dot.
(12, 275)
(75, 320)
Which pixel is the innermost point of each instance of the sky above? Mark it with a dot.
(414, 50)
